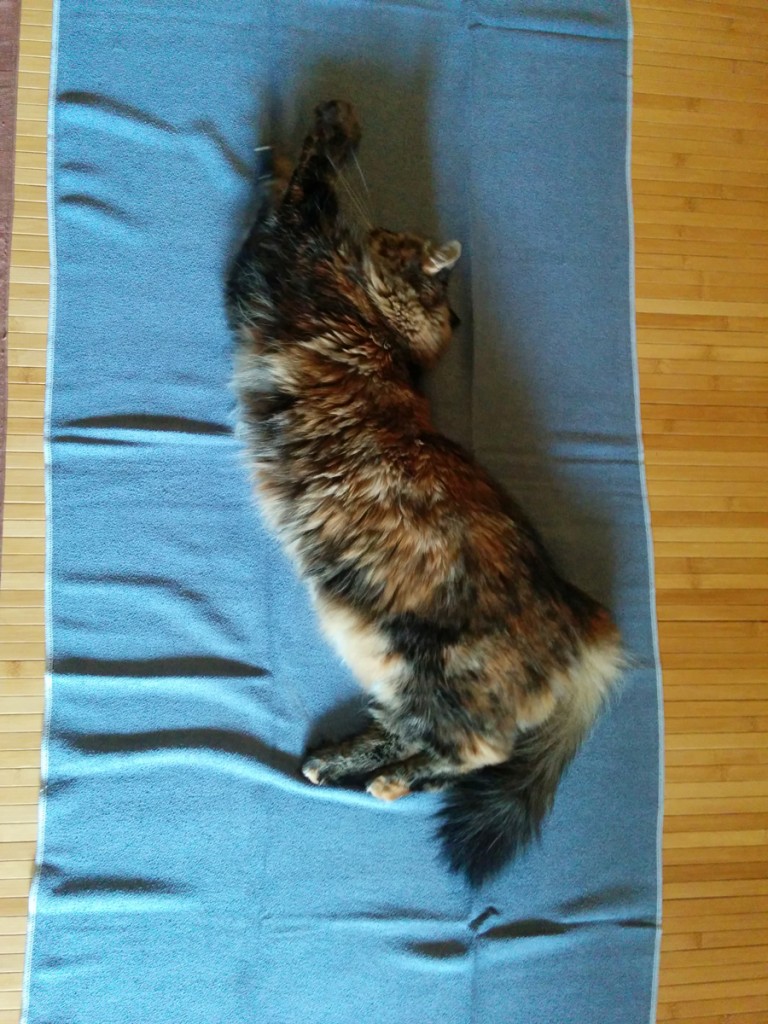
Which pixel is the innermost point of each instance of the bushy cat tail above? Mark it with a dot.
(492, 814)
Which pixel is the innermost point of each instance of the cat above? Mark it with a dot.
(484, 668)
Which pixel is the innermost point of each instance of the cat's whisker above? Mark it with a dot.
(356, 201)
(360, 172)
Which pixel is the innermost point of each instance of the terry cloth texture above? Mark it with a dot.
(187, 874)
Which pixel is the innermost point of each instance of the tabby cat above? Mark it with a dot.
(484, 669)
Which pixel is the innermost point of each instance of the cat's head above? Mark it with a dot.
(407, 278)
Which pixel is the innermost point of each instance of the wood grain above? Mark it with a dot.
(700, 179)
(21, 581)
(10, 16)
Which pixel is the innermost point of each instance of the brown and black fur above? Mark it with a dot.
(485, 669)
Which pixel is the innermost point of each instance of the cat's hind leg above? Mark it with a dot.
(421, 772)
(433, 771)
(359, 755)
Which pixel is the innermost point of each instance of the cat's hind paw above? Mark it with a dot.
(312, 770)
(386, 788)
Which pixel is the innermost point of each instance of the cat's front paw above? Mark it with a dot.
(337, 127)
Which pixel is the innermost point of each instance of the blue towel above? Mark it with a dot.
(186, 874)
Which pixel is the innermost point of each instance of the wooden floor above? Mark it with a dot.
(700, 174)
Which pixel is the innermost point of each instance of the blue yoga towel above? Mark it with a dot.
(187, 875)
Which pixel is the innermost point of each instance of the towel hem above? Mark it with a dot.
(646, 517)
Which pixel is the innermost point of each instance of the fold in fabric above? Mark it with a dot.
(187, 874)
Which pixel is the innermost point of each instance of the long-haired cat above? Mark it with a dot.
(484, 669)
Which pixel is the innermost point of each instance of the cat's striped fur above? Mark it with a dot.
(485, 669)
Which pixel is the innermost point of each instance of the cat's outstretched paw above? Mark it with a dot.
(282, 169)
(384, 787)
(337, 128)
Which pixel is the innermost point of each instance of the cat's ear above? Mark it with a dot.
(443, 258)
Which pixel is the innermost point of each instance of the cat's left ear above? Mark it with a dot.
(443, 258)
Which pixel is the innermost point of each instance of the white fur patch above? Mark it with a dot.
(532, 711)
(363, 648)
(590, 681)
(479, 753)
